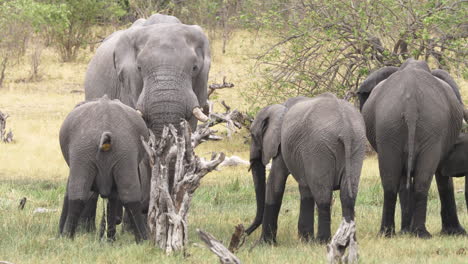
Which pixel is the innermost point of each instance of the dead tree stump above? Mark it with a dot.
(171, 195)
(4, 136)
(345, 237)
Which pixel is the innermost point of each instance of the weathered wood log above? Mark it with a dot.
(172, 189)
(225, 256)
(234, 161)
(238, 238)
(5, 262)
(22, 203)
(345, 237)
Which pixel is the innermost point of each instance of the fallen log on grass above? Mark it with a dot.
(225, 256)
(172, 189)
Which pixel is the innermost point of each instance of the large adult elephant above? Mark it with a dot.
(413, 117)
(163, 67)
(321, 142)
(159, 66)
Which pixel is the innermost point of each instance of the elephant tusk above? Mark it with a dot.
(197, 112)
(140, 113)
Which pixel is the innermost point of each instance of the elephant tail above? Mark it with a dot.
(410, 117)
(258, 174)
(346, 139)
(106, 141)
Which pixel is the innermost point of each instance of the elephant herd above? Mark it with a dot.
(155, 73)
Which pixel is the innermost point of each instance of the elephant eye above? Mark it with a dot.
(139, 68)
(195, 68)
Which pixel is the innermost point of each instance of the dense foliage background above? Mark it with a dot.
(314, 45)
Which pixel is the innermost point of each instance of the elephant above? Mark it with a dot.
(161, 69)
(321, 142)
(101, 143)
(413, 116)
(156, 19)
(455, 164)
(159, 66)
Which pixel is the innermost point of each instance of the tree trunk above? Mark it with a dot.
(171, 195)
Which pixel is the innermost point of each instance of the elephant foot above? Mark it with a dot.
(268, 240)
(323, 239)
(306, 236)
(387, 232)
(405, 230)
(421, 233)
(453, 231)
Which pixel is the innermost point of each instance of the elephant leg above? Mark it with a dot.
(126, 223)
(306, 214)
(274, 196)
(466, 192)
(425, 167)
(74, 209)
(119, 213)
(88, 216)
(112, 205)
(324, 222)
(129, 190)
(136, 218)
(63, 216)
(448, 212)
(390, 171)
(78, 189)
(406, 204)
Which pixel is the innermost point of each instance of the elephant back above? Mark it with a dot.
(413, 94)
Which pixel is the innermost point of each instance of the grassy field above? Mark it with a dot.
(33, 167)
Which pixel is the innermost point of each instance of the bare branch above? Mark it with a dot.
(225, 256)
(216, 86)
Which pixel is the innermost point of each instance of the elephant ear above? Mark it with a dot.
(445, 77)
(125, 65)
(371, 82)
(266, 133)
(200, 81)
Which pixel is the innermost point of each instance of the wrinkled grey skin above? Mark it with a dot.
(455, 164)
(413, 117)
(101, 143)
(167, 60)
(321, 142)
(160, 69)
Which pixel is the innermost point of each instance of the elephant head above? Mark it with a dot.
(166, 67)
(384, 73)
(158, 18)
(266, 136)
(371, 82)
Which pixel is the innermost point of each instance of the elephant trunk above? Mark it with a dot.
(167, 98)
(258, 174)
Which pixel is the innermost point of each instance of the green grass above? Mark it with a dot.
(33, 167)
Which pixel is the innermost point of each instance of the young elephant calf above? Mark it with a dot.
(455, 164)
(101, 143)
(321, 142)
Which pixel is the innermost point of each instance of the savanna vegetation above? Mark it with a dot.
(270, 50)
